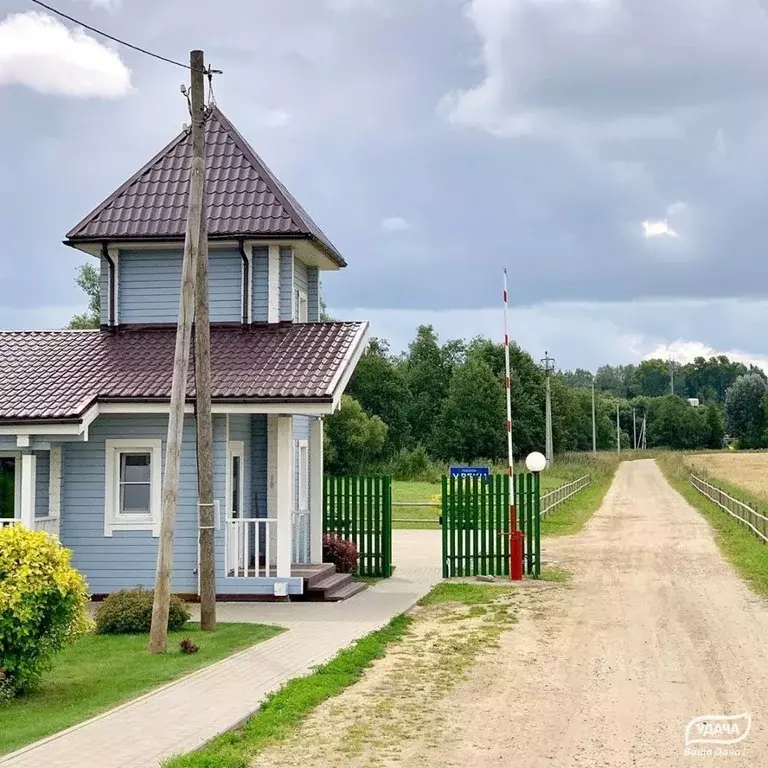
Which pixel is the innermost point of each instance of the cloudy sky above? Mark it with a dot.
(612, 154)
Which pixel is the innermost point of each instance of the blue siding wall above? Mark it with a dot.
(128, 558)
(286, 283)
(150, 282)
(260, 285)
(225, 276)
(259, 464)
(42, 472)
(300, 276)
(313, 294)
(104, 291)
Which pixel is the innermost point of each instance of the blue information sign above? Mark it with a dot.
(470, 472)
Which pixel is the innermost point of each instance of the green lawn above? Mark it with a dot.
(101, 671)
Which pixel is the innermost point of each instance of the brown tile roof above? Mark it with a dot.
(58, 375)
(244, 198)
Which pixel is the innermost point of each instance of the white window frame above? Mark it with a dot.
(16, 456)
(300, 306)
(113, 519)
(235, 448)
(302, 476)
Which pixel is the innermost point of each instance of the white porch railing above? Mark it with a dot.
(49, 525)
(301, 531)
(250, 547)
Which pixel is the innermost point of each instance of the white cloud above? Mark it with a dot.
(658, 228)
(40, 53)
(687, 351)
(394, 224)
(606, 69)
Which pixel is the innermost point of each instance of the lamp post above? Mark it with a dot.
(535, 464)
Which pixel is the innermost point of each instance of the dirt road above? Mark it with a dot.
(654, 629)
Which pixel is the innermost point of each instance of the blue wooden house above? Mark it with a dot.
(84, 414)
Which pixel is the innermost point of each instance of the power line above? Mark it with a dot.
(63, 15)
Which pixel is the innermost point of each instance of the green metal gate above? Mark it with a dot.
(360, 509)
(475, 524)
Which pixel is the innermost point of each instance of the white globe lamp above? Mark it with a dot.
(535, 462)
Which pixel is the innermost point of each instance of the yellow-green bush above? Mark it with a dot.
(43, 603)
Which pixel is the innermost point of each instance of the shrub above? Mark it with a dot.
(413, 464)
(43, 603)
(187, 646)
(341, 552)
(129, 612)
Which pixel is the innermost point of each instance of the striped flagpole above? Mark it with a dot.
(515, 536)
(507, 384)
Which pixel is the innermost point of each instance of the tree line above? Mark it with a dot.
(441, 402)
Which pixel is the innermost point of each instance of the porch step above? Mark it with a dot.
(312, 574)
(330, 586)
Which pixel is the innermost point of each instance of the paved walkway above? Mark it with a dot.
(184, 715)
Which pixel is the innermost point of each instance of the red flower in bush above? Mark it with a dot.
(341, 552)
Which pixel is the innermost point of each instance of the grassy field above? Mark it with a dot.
(565, 469)
(739, 545)
(101, 671)
(743, 469)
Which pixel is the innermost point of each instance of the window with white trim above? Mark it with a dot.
(300, 306)
(132, 495)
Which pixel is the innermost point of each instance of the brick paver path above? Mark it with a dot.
(184, 715)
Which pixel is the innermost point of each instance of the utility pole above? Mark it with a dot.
(548, 363)
(203, 418)
(618, 431)
(594, 423)
(672, 375)
(634, 430)
(645, 436)
(159, 629)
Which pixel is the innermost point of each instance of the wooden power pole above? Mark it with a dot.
(207, 547)
(159, 631)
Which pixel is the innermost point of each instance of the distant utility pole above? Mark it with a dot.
(672, 375)
(645, 436)
(594, 424)
(548, 363)
(618, 431)
(634, 430)
(159, 629)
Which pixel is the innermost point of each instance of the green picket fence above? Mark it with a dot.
(475, 525)
(360, 509)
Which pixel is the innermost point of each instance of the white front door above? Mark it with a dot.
(10, 488)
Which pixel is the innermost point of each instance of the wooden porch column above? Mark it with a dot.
(316, 491)
(280, 474)
(28, 477)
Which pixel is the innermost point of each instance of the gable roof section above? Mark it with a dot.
(243, 197)
(56, 376)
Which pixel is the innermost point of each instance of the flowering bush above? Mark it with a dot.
(341, 552)
(43, 603)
